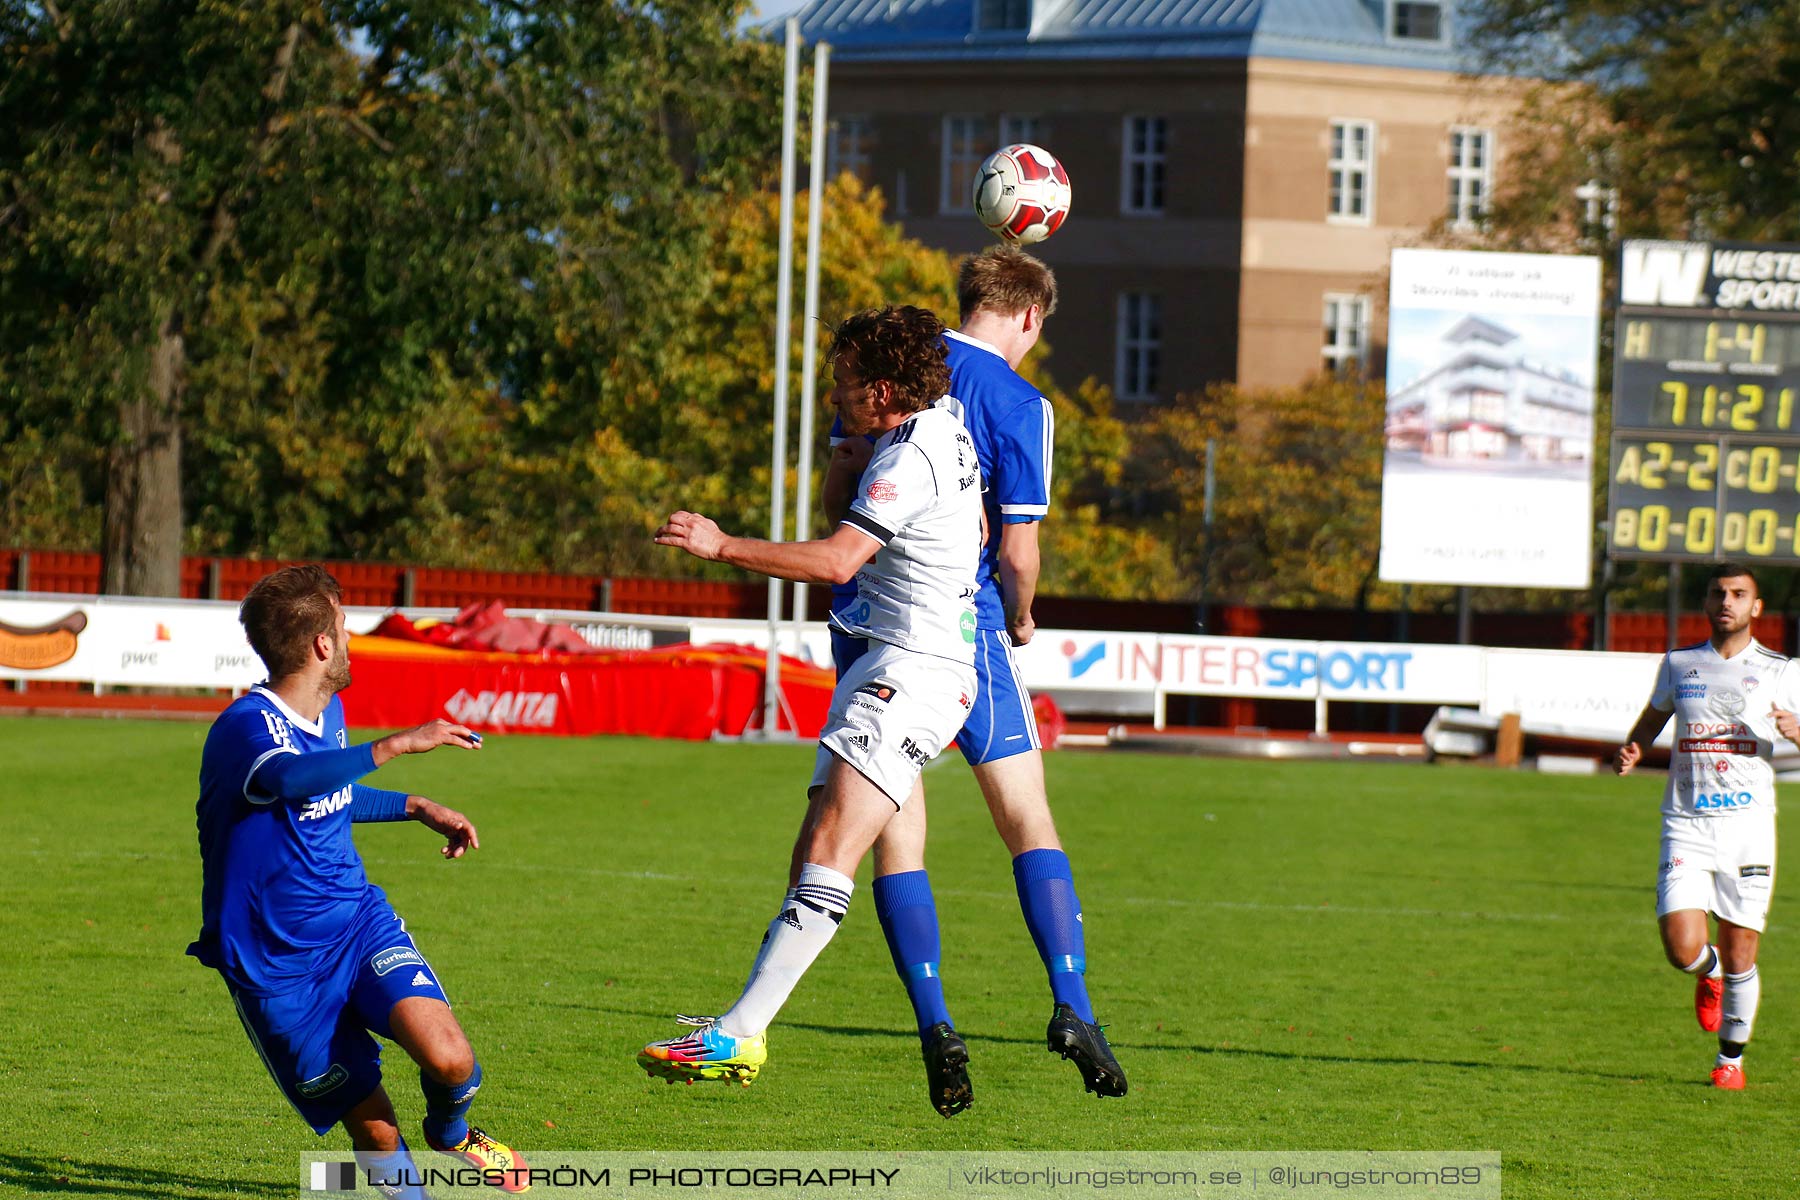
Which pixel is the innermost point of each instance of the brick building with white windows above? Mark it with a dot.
(1240, 168)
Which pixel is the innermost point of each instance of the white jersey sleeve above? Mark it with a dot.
(1662, 696)
(1787, 689)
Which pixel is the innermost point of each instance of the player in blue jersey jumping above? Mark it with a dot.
(1004, 296)
(313, 955)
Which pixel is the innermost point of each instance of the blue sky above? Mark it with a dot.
(768, 9)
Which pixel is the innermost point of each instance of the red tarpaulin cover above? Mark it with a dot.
(404, 675)
(682, 691)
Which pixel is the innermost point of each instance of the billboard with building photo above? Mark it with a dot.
(1490, 419)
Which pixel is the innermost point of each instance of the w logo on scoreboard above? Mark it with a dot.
(1664, 273)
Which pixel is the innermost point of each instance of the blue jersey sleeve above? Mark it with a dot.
(253, 751)
(303, 776)
(1020, 485)
(374, 804)
(242, 742)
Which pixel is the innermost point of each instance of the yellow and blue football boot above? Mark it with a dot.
(707, 1053)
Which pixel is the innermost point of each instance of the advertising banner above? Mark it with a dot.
(166, 643)
(1490, 419)
(1570, 692)
(1073, 660)
(134, 643)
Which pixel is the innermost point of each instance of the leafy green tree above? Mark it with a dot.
(1682, 111)
(459, 282)
(296, 262)
(1092, 543)
(1297, 509)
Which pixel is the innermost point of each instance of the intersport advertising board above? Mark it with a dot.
(1072, 660)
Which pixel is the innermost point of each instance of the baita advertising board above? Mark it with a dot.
(1489, 434)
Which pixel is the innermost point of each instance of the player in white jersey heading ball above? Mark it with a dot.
(1732, 698)
(911, 540)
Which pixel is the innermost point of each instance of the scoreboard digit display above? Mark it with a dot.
(1705, 458)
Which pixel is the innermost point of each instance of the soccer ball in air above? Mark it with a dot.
(1022, 193)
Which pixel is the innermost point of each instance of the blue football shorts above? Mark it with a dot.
(1001, 722)
(315, 1040)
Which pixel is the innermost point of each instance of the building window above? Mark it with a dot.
(848, 150)
(1002, 16)
(1346, 332)
(1140, 346)
(1352, 168)
(1416, 21)
(1015, 128)
(1471, 174)
(967, 141)
(1146, 163)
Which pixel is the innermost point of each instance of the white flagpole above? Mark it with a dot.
(809, 320)
(784, 318)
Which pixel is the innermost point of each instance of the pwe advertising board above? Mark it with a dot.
(1490, 419)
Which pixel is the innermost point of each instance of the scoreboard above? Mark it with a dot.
(1705, 460)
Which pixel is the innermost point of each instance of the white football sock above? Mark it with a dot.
(762, 951)
(1708, 954)
(1738, 1014)
(808, 919)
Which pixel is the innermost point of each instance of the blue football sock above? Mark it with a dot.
(446, 1106)
(909, 919)
(390, 1171)
(1053, 914)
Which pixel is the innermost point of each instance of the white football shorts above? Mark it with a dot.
(894, 711)
(1724, 865)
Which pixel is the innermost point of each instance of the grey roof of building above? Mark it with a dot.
(1346, 31)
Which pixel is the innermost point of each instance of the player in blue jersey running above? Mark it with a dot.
(313, 955)
(1004, 295)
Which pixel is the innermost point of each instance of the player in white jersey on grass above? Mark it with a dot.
(1004, 296)
(911, 539)
(1732, 698)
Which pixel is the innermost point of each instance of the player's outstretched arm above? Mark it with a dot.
(421, 738)
(834, 559)
(1650, 722)
(459, 832)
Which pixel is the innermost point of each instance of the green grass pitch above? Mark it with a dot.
(1290, 957)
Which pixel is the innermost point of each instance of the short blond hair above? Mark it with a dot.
(1004, 280)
